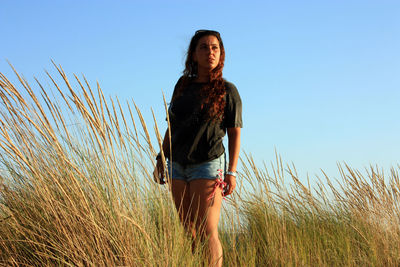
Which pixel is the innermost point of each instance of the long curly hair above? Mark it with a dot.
(213, 93)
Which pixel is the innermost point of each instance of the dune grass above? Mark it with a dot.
(77, 190)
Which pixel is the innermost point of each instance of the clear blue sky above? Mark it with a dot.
(319, 80)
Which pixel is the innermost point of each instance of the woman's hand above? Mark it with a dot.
(159, 172)
(230, 181)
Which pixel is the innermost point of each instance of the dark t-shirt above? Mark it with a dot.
(196, 139)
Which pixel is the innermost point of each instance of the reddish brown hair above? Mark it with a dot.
(212, 93)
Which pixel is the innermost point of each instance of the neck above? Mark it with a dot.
(203, 76)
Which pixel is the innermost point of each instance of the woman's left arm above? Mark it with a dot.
(234, 149)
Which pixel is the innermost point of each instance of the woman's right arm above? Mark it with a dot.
(166, 151)
(166, 144)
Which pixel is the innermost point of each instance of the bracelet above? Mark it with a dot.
(231, 173)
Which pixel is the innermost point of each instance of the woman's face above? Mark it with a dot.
(207, 53)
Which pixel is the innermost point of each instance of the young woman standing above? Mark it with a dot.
(204, 107)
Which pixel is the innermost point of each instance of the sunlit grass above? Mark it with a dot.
(77, 190)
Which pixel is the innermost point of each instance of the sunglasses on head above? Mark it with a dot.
(207, 32)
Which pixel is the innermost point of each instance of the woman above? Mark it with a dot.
(203, 108)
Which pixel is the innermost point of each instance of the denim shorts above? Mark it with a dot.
(207, 170)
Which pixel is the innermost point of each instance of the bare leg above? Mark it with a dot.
(207, 213)
(181, 194)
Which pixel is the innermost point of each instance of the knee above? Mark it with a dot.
(211, 234)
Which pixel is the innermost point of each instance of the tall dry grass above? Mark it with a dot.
(77, 190)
